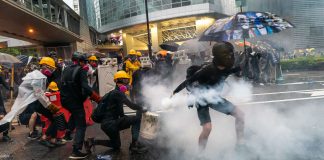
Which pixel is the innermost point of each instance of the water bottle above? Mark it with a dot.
(103, 157)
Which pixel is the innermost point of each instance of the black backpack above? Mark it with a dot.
(99, 112)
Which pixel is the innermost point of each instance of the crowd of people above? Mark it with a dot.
(54, 93)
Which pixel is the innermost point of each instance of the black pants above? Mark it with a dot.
(112, 128)
(2, 107)
(77, 120)
(4, 129)
(39, 108)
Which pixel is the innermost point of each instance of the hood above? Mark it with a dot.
(36, 74)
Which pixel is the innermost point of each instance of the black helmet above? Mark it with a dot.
(83, 58)
(223, 53)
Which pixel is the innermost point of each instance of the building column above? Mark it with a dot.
(49, 11)
(56, 13)
(156, 35)
(40, 3)
(66, 25)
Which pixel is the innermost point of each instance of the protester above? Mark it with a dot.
(31, 91)
(130, 64)
(75, 90)
(4, 129)
(211, 77)
(93, 73)
(114, 120)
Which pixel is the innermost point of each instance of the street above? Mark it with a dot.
(281, 121)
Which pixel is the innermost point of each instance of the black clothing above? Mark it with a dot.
(75, 90)
(56, 77)
(138, 76)
(114, 119)
(208, 75)
(4, 129)
(2, 107)
(39, 108)
(115, 100)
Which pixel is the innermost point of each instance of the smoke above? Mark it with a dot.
(271, 132)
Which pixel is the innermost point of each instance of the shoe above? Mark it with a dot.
(138, 147)
(68, 137)
(88, 144)
(6, 139)
(78, 155)
(47, 143)
(60, 142)
(34, 135)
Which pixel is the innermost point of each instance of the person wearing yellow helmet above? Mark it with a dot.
(52, 87)
(110, 114)
(130, 64)
(93, 73)
(138, 60)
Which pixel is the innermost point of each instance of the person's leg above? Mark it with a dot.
(205, 122)
(78, 116)
(32, 123)
(112, 131)
(229, 108)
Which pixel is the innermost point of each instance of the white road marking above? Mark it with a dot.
(297, 91)
(283, 100)
(297, 83)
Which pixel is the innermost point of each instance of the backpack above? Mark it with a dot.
(99, 112)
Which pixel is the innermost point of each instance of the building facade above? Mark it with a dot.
(122, 22)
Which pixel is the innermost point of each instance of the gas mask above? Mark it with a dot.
(123, 88)
(95, 65)
(47, 72)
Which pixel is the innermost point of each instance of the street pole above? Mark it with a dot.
(149, 42)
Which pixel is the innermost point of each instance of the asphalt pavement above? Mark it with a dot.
(302, 91)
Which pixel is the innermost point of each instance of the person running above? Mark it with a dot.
(211, 77)
(114, 120)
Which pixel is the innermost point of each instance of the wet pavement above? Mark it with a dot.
(298, 90)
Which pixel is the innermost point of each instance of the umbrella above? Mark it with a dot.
(169, 46)
(193, 46)
(7, 58)
(245, 25)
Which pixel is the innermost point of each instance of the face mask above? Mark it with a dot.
(85, 67)
(123, 88)
(47, 72)
(94, 65)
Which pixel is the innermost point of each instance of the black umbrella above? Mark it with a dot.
(170, 46)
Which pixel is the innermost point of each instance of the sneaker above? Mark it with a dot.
(137, 147)
(6, 139)
(68, 137)
(78, 155)
(47, 143)
(60, 142)
(88, 144)
(34, 135)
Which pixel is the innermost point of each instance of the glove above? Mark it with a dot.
(53, 108)
(95, 97)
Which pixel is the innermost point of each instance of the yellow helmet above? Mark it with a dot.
(53, 86)
(121, 74)
(132, 52)
(139, 54)
(47, 61)
(92, 58)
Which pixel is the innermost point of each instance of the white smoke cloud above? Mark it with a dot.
(271, 132)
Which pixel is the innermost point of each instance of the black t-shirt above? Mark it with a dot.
(208, 75)
(115, 101)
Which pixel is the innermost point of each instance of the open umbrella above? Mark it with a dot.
(193, 46)
(245, 25)
(169, 46)
(7, 58)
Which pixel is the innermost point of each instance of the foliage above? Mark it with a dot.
(11, 51)
(303, 63)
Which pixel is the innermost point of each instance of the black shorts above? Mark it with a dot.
(224, 106)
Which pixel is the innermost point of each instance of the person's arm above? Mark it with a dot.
(39, 92)
(131, 66)
(191, 79)
(128, 103)
(86, 88)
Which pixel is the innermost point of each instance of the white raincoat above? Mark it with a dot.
(31, 89)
